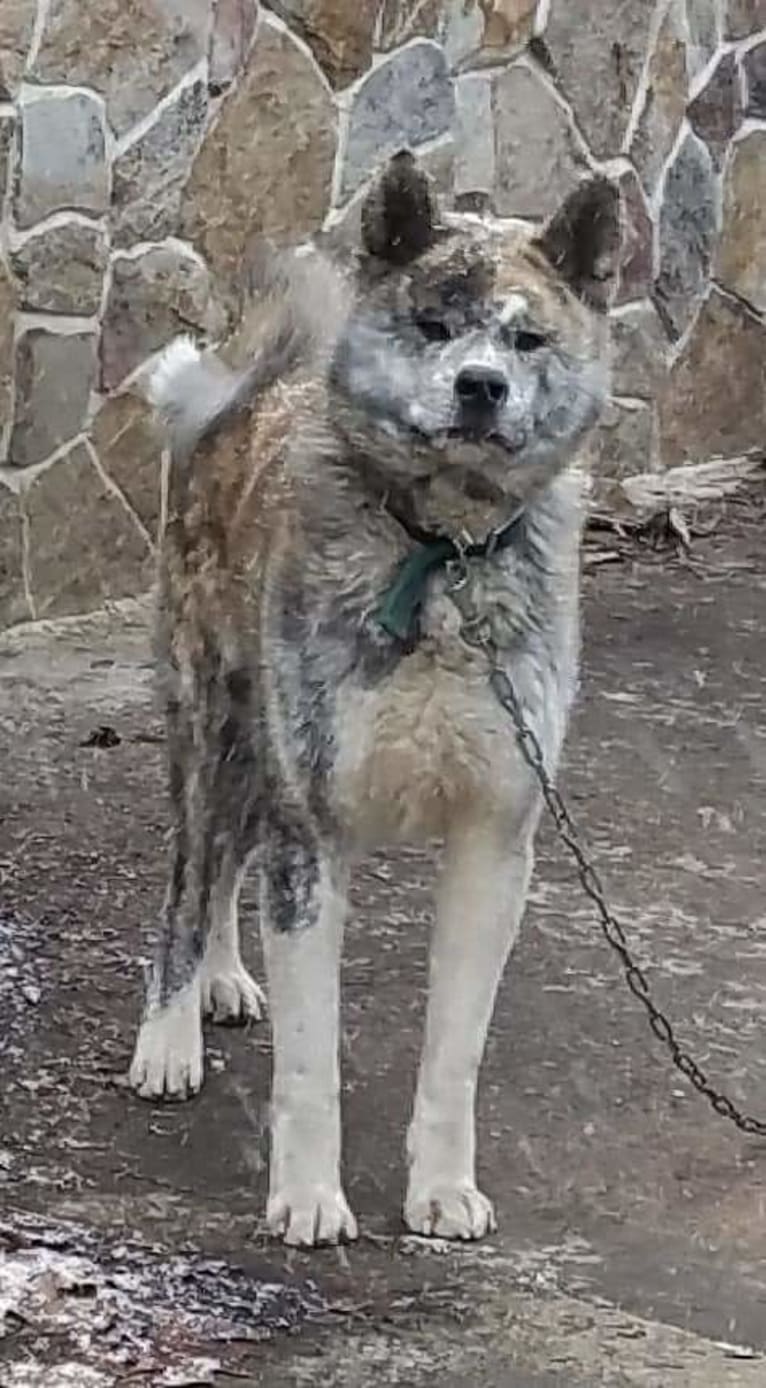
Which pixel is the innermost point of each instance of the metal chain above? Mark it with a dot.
(477, 633)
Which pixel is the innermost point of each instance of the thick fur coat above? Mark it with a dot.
(444, 390)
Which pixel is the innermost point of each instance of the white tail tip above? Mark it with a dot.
(169, 369)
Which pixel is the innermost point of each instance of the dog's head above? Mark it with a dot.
(476, 355)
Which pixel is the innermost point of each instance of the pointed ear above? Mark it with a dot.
(582, 242)
(399, 212)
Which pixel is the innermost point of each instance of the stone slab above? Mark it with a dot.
(754, 63)
(405, 101)
(744, 17)
(61, 269)
(599, 62)
(84, 550)
(55, 374)
(637, 249)
(537, 158)
(741, 261)
(17, 21)
(62, 156)
(689, 221)
(714, 404)
(14, 606)
(665, 98)
(133, 51)
(129, 447)
(716, 112)
(266, 165)
(149, 176)
(231, 38)
(340, 34)
(640, 350)
(7, 309)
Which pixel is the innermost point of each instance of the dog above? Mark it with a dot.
(403, 448)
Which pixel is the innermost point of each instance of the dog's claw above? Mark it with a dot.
(167, 1061)
(306, 1216)
(450, 1211)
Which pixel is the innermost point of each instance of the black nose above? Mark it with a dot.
(481, 387)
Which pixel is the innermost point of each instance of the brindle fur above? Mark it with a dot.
(300, 733)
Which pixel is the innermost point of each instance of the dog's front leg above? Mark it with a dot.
(479, 909)
(303, 904)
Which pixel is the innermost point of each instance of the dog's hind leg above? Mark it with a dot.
(479, 909)
(302, 908)
(229, 995)
(197, 965)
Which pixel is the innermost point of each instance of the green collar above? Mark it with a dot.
(399, 609)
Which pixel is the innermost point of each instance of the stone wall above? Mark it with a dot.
(143, 142)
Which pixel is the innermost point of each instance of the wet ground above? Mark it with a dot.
(632, 1243)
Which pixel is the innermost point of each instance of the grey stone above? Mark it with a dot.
(7, 307)
(153, 297)
(640, 350)
(406, 100)
(460, 30)
(17, 21)
(7, 122)
(231, 38)
(84, 549)
(716, 112)
(744, 17)
(688, 229)
(475, 136)
(714, 403)
(704, 32)
(61, 269)
(149, 176)
(599, 57)
(637, 249)
(741, 261)
(62, 156)
(13, 601)
(755, 74)
(624, 443)
(132, 51)
(55, 374)
(538, 159)
(665, 98)
(438, 161)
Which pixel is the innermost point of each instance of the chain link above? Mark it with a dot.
(477, 633)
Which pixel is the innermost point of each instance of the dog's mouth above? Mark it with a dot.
(485, 437)
(474, 433)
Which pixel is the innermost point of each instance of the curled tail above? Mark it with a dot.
(292, 322)
(188, 388)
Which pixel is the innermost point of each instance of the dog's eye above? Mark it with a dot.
(525, 341)
(433, 329)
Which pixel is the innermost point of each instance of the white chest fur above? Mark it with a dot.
(432, 742)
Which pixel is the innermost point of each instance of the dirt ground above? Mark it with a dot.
(632, 1243)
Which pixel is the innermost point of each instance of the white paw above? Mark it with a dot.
(167, 1061)
(304, 1216)
(449, 1210)
(230, 996)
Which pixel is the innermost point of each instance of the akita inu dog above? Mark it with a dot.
(320, 695)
